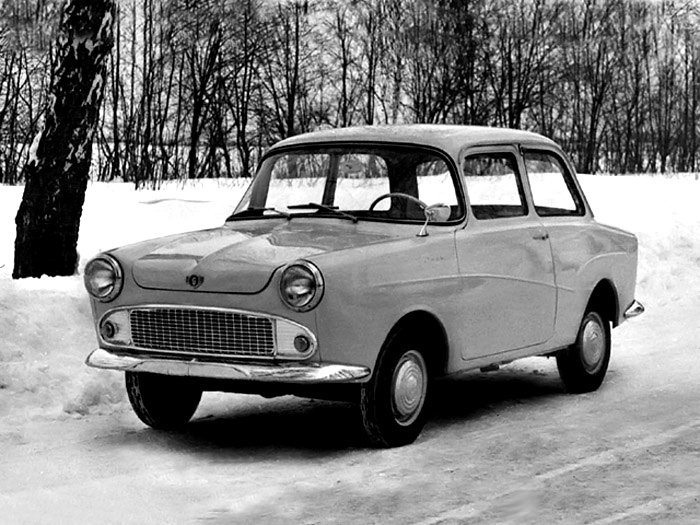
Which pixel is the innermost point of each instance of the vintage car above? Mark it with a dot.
(364, 263)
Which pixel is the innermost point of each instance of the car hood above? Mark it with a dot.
(241, 258)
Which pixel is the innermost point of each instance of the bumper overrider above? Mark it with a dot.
(213, 343)
(633, 310)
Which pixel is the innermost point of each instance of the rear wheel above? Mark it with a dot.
(582, 366)
(393, 402)
(162, 402)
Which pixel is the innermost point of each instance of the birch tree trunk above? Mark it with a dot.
(57, 171)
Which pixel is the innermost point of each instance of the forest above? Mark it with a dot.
(199, 89)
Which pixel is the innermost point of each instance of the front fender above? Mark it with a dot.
(369, 291)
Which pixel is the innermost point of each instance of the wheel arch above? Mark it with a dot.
(425, 326)
(604, 299)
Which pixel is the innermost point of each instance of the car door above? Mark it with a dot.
(560, 207)
(504, 258)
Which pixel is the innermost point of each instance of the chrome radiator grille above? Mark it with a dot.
(202, 332)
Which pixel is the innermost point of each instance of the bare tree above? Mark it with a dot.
(520, 55)
(25, 27)
(430, 84)
(628, 112)
(343, 53)
(370, 21)
(466, 25)
(200, 89)
(240, 80)
(57, 173)
(589, 67)
(688, 145)
(286, 67)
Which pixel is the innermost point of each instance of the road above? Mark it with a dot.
(503, 447)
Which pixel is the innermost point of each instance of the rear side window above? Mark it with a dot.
(494, 186)
(553, 190)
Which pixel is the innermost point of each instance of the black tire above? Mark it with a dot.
(162, 402)
(393, 403)
(583, 365)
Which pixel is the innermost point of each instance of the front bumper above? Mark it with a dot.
(272, 373)
(633, 310)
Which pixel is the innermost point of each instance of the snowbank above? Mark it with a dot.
(664, 213)
(46, 330)
(46, 327)
(46, 323)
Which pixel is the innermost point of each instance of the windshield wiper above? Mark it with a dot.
(280, 213)
(316, 206)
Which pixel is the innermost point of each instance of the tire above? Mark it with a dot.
(583, 365)
(162, 402)
(393, 402)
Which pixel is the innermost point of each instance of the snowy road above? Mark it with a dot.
(504, 446)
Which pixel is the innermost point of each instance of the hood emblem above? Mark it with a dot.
(195, 281)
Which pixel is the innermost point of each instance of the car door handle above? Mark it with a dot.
(541, 236)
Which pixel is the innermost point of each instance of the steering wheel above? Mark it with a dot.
(419, 202)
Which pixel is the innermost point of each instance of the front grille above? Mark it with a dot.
(202, 332)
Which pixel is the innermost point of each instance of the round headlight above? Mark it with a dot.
(301, 286)
(103, 278)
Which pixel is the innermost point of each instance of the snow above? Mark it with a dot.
(46, 323)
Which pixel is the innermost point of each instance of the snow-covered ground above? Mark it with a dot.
(46, 323)
(505, 447)
(46, 327)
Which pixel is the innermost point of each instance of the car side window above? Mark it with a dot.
(493, 185)
(435, 183)
(553, 190)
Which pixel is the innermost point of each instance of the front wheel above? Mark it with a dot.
(583, 365)
(393, 401)
(162, 402)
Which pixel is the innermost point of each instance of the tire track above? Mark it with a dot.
(607, 457)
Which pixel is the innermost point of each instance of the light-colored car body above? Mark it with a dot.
(485, 291)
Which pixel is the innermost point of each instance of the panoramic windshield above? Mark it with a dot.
(345, 181)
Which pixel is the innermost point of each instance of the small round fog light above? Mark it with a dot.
(108, 330)
(301, 343)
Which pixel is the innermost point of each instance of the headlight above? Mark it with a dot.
(103, 278)
(301, 286)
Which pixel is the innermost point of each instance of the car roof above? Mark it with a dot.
(451, 138)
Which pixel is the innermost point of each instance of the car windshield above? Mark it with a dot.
(347, 182)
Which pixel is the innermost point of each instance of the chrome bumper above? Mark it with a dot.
(281, 373)
(635, 309)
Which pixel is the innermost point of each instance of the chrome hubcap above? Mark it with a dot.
(409, 387)
(593, 346)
